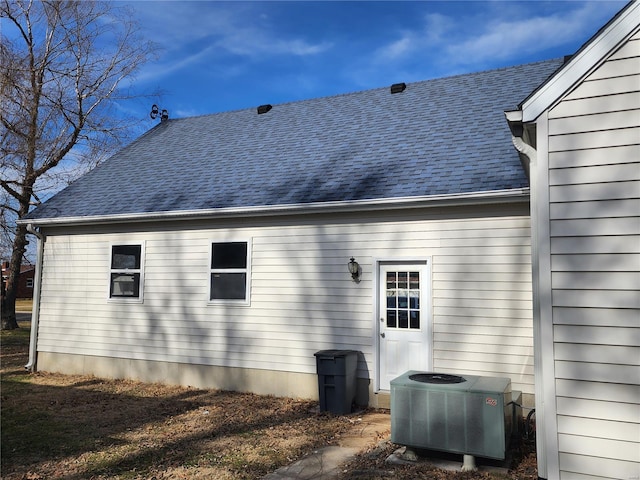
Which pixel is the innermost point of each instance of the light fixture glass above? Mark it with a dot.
(354, 268)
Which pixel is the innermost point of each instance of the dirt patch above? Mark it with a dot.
(374, 464)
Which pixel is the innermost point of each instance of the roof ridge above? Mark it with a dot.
(366, 90)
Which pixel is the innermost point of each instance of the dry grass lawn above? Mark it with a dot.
(76, 427)
(71, 427)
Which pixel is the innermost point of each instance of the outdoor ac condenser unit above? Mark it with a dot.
(470, 415)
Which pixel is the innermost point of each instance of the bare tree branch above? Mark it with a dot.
(60, 72)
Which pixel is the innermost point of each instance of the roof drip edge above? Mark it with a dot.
(497, 196)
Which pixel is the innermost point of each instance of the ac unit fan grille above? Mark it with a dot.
(439, 378)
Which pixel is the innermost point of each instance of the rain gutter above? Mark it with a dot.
(490, 197)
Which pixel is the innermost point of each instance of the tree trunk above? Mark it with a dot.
(9, 321)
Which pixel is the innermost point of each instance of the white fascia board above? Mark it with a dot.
(513, 116)
(476, 198)
(582, 63)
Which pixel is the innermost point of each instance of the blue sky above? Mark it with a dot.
(219, 56)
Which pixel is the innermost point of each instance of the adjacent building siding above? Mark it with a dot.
(302, 296)
(594, 212)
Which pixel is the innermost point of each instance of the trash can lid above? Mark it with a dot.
(334, 353)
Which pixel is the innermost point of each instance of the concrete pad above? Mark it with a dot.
(323, 464)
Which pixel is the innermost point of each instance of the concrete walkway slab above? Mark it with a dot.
(325, 463)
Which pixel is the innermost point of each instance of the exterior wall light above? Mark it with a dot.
(354, 268)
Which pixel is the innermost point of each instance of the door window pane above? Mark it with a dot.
(414, 280)
(391, 300)
(403, 319)
(391, 318)
(403, 299)
(414, 299)
(391, 280)
(414, 319)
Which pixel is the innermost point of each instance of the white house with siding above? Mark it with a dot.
(585, 212)
(213, 250)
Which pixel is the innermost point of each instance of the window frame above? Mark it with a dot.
(247, 270)
(140, 271)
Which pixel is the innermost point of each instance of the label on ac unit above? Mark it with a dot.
(491, 401)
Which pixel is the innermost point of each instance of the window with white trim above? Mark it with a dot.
(126, 272)
(230, 272)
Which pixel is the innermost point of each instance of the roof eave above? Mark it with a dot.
(517, 195)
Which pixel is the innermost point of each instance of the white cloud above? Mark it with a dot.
(396, 49)
(158, 70)
(252, 42)
(503, 39)
(433, 32)
(211, 30)
(502, 31)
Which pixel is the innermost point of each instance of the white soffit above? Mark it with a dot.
(583, 62)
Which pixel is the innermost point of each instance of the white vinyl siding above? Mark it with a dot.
(302, 296)
(594, 208)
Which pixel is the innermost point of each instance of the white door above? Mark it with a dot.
(403, 325)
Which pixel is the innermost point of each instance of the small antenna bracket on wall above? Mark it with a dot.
(155, 112)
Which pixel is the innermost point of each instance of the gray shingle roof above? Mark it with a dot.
(438, 137)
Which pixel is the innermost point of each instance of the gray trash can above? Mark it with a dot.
(336, 379)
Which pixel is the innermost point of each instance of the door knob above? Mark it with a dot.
(382, 334)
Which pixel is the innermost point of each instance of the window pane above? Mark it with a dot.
(402, 299)
(414, 300)
(402, 279)
(125, 284)
(125, 256)
(391, 318)
(403, 319)
(391, 299)
(229, 255)
(414, 319)
(414, 280)
(228, 286)
(391, 280)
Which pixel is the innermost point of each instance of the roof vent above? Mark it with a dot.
(398, 87)
(264, 109)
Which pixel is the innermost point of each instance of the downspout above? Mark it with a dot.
(528, 156)
(35, 311)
